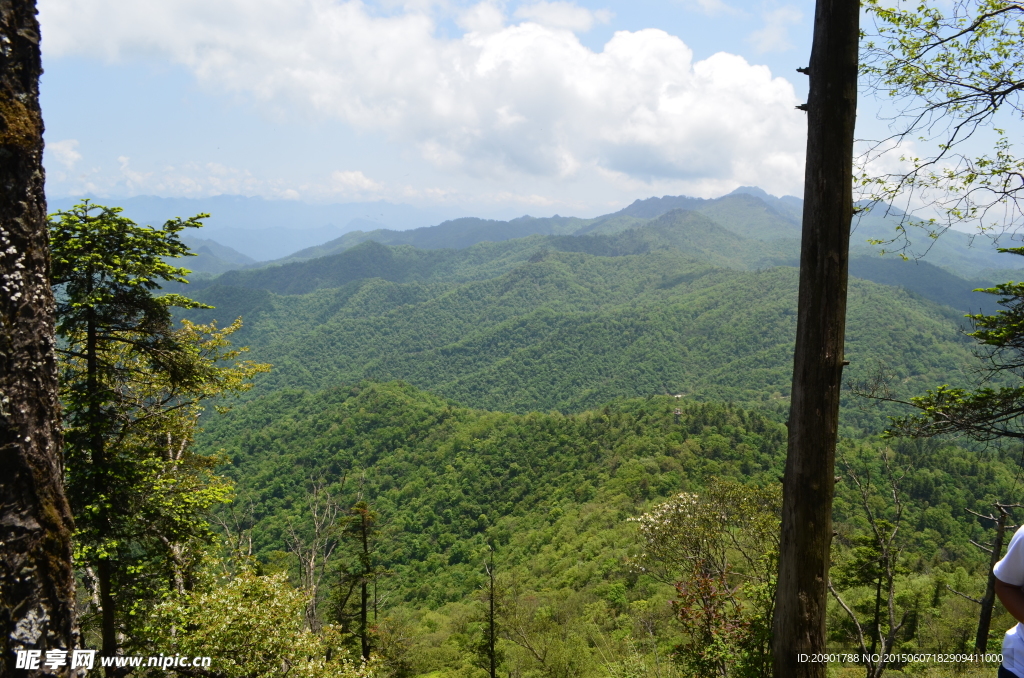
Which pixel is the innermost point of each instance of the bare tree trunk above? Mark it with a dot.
(491, 656)
(799, 620)
(364, 633)
(989, 599)
(108, 625)
(97, 443)
(37, 592)
(364, 629)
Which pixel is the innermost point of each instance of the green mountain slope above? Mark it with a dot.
(554, 495)
(751, 213)
(569, 330)
(960, 253)
(692, 234)
(448, 476)
(926, 280)
(751, 216)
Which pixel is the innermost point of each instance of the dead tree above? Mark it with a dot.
(37, 592)
(314, 554)
(492, 664)
(988, 600)
(884, 535)
(809, 484)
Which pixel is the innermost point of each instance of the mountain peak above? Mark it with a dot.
(752, 190)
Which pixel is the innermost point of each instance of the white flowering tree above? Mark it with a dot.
(253, 626)
(720, 549)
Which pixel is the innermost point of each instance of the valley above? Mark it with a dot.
(532, 386)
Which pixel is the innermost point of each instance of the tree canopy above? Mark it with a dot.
(131, 385)
(956, 72)
(985, 412)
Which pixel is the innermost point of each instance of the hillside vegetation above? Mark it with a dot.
(569, 331)
(748, 212)
(535, 385)
(554, 495)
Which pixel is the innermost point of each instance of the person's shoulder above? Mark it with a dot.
(1016, 540)
(1010, 568)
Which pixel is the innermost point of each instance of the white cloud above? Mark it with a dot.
(484, 17)
(501, 101)
(201, 179)
(66, 152)
(711, 7)
(355, 181)
(774, 35)
(187, 180)
(562, 15)
(133, 179)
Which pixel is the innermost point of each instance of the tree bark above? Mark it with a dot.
(37, 592)
(104, 568)
(491, 656)
(989, 599)
(808, 486)
(364, 632)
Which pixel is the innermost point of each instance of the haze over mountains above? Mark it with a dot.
(262, 229)
(669, 295)
(747, 229)
(262, 232)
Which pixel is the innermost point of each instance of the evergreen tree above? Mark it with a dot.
(131, 386)
(986, 412)
(356, 606)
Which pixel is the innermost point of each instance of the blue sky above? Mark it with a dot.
(538, 107)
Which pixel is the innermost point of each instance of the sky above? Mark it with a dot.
(490, 108)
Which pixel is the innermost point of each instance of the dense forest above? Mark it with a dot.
(566, 330)
(556, 496)
(443, 453)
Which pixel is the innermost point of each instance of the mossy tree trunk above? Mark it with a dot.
(37, 594)
(808, 486)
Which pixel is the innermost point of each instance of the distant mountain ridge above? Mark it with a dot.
(253, 232)
(743, 213)
(264, 229)
(212, 258)
(748, 212)
(695, 236)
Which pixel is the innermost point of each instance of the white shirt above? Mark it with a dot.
(1010, 570)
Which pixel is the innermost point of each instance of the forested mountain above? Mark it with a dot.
(534, 385)
(747, 212)
(569, 330)
(458, 233)
(212, 258)
(554, 495)
(691, 233)
(678, 304)
(453, 475)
